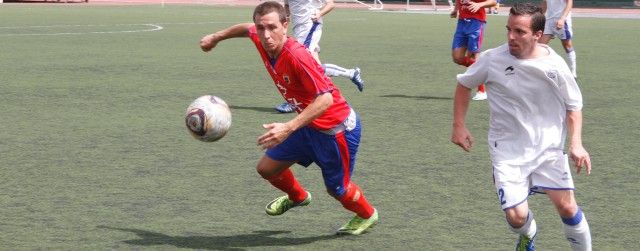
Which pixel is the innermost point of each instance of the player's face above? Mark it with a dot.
(272, 33)
(521, 39)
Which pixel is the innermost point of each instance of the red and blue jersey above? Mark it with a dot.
(300, 79)
(464, 13)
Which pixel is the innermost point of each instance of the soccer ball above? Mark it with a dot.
(208, 118)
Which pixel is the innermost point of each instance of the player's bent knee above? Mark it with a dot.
(516, 222)
(567, 209)
(268, 172)
(264, 172)
(267, 167)
(516, 218)
(262, 169)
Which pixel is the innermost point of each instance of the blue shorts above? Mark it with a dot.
(335, 154)
(469, 33)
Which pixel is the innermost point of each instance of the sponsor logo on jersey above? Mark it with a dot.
(295, 103)
(281, 88)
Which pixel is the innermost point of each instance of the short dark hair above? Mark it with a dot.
(268, 7)
(530, 9)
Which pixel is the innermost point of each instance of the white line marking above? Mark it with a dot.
(100, 25)
(152, 27)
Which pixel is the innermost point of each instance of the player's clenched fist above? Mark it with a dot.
(208, 42)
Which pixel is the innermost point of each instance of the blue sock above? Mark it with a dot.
(577, 231)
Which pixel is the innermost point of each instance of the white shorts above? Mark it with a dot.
(308, 34)
(514, 183)
(565, 33)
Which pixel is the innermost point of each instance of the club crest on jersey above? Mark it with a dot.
(551, 74)
(286, 79)
(509, 71)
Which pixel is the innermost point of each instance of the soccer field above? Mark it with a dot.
(94, 153)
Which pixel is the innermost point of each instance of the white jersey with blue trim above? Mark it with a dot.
(555, 8)
(302, 10)
(528, 100)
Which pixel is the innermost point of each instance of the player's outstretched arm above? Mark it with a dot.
(460, 135)
(578, 154)
(210, 41)
(278, 132)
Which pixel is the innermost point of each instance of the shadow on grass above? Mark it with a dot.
(415, 97)
(234, 242)
(254, 108)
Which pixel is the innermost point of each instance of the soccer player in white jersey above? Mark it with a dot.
(534, 103)
(305, 16)
(558, 15)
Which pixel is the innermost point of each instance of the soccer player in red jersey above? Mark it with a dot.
(469, 33)
(326, 130)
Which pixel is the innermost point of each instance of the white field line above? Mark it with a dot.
(152, 27)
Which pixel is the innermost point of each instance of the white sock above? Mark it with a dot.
(529, 228)
(576, 229)
(572, 62)
(332, 70)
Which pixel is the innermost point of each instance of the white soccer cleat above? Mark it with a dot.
(480, 96)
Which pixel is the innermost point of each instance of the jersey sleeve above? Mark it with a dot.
(570, 90)
(477, 73)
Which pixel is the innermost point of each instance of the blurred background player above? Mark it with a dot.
(326, 130)
(558, 15)
(467, 39)
(435, 7)
(495, 8)
(535, 104)
(306, 18)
